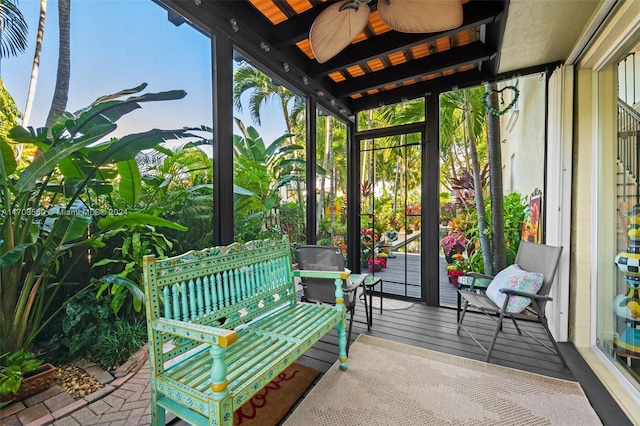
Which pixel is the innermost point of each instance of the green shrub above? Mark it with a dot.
(117, 344)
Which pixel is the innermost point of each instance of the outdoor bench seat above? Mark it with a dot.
(223, 322)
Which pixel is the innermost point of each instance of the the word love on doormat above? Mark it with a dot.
(270, 405)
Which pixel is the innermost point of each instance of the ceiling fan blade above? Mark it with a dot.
(421, 16)
(336, 27)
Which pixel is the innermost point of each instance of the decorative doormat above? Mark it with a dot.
(388, 304)
(389, 383)
(270, 405)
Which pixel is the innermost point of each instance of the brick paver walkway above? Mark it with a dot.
(125, 401)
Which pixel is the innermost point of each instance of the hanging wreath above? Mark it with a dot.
(494, 111)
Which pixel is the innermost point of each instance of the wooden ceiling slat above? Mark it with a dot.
(443, 43)
(300, 5)
(337, 76)
(397, 58)
(464, 37)
(420, 51)
(305, 47)
(446, 60)
(269, 10)
(377, 24)
(355, 71)
(376, 65)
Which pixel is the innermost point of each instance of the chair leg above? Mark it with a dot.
(543, 320)
(555, 344)
(366, 307)
(516, 324)
(497, 330)
(461, 315)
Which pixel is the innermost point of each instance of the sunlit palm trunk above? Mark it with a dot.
(36, 65)
(328, 142)
(61, 91)
(485, 244)
(495, 182)
(287, 120)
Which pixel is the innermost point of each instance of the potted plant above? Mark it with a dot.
(367, 246)
(21, 375)
(451, 244)
(459, 267)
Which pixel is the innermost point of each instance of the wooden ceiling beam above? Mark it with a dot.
(436, 86)
(448, 60)
(475, 15)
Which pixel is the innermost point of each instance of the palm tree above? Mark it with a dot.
(328, 152)
(61, 91)
(469, 102)
(13, 29)
(496, 189)
(31, 93)
(263, 88)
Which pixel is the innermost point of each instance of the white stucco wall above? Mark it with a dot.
(523, 140)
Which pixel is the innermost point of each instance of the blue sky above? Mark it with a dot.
(119, 44)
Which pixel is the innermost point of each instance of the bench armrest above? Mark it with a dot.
(308, 273)
(332, 275)
(197, 332)
(510, 292)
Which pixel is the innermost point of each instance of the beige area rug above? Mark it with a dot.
(389, 383)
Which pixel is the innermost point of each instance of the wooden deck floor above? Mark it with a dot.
(405, 268)
(435, 328)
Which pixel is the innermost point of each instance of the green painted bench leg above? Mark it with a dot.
(342, 325)
(221, 412)
(342, 343)
(221, 405)
(157, 412)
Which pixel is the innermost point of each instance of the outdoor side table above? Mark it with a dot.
(467, 283)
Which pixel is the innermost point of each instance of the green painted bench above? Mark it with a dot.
(223, 322)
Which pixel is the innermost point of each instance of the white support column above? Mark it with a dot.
(558, 197)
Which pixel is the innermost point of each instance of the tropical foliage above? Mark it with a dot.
(51, 207)
(13, 36)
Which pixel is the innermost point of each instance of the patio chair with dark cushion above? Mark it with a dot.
(526, 284)
(322, 290)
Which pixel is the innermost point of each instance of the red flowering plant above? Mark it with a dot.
(458, 268)
(370, 254)
(368, 245)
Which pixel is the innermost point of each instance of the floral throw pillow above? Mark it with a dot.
(514, 278)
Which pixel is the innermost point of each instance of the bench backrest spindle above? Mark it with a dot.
(220, 286)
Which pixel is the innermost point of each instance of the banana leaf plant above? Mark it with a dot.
(47, 207)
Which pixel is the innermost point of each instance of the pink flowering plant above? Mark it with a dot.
(455, 238)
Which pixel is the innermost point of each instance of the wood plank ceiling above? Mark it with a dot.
(381, 66)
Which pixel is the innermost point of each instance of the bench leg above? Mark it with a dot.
(342, 344)
(221, 413)
(157, 412)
